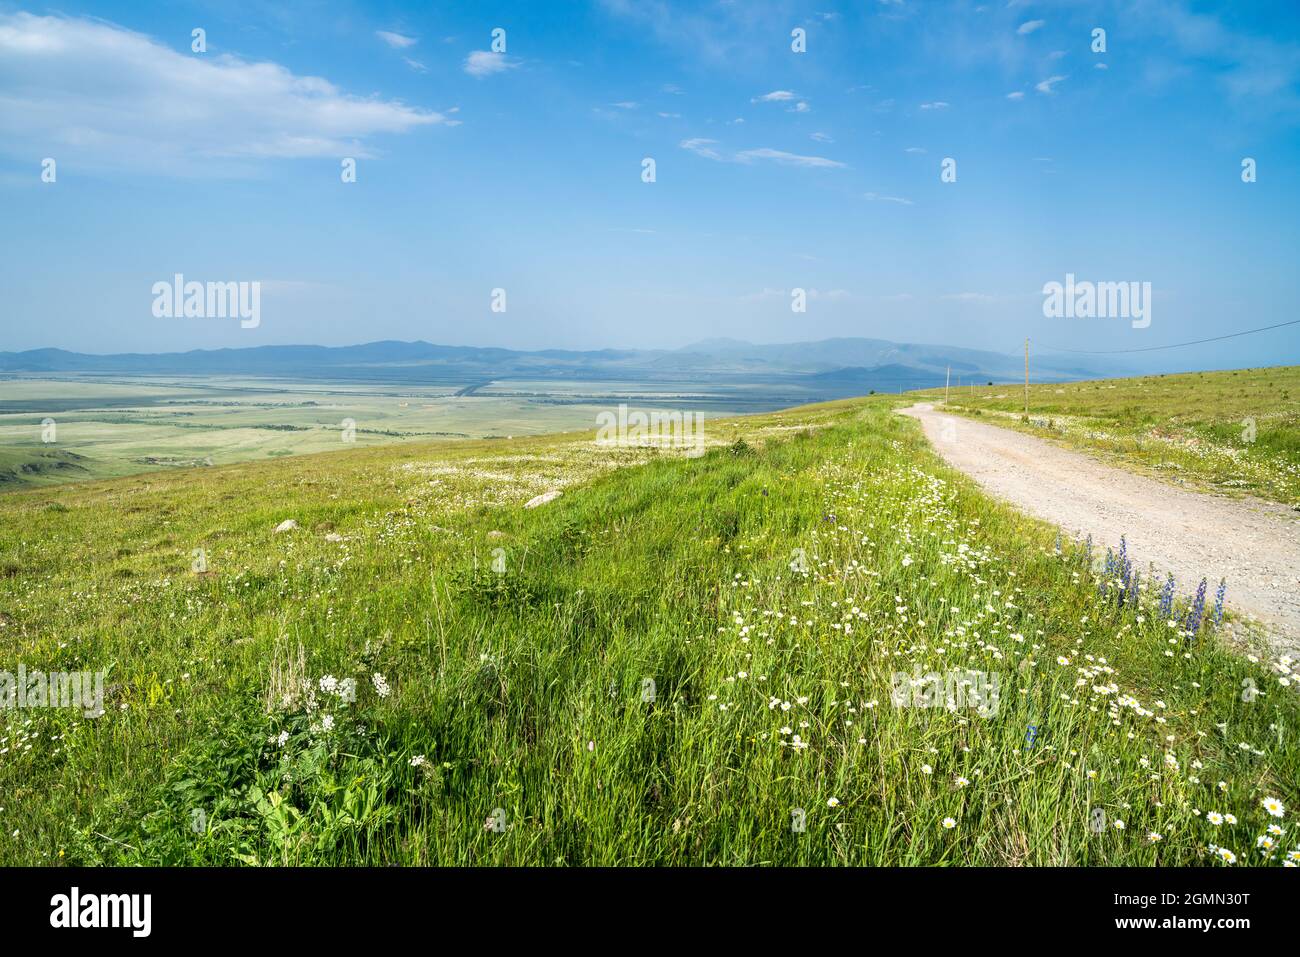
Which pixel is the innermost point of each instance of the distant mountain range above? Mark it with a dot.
(830, 368)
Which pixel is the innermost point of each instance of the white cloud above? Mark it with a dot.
(788, 159)
(776, 96)
(968, 297)
(878, 198)
(1017, 95)
(415, 65)
(702, 147)
(820, 138)
(1029, 26)
(936, 105)
(671, 116)
(800, 107)
(396, 40)
(914, 149)
(625, 105)
(705, 147)
(1100, 66)
(107, 97)
(1045, 86)
(486, 63)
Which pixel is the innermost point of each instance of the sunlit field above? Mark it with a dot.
(79, 428)
(719, 659)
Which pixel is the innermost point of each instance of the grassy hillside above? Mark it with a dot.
(678, 661)
(1233, 432)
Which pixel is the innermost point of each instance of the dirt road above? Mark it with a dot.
(1255, 545)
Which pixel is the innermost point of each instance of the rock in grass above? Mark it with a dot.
(496, 534)
(543, 499)
(333, 537)
(288, 525)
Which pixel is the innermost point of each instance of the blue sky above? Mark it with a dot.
(775, 170)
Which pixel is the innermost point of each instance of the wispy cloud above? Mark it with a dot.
(396, 40)
(701, 146)
(113, 98)
(485, 63)
(820, 138)
(1045, 86)
(936, 105)
(776, 96)
(1016, 95)
(1029, 26)
(968, 297)
(787, 159)
(878, 198)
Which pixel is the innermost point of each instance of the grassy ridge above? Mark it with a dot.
(666, 665)
(1232, 432)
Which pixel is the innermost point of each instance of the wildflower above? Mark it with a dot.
(948, 824)
(1154, 838)
(329, 684)
(1273, 806)
(833, 802)
(381, 685)
(1230, 818)
(1215, 818)
(1227, 855)
(419, 761)
(282, 739)
(960, 781)
(1119, 825)
(926, 769)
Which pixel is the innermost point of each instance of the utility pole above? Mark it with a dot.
(946, 383)
(1026, 378)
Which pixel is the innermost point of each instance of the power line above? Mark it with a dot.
(1176, 345)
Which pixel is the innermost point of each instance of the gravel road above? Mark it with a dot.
(1255, 545)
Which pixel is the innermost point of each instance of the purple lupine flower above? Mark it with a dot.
(1193, 623)
(1087, 555)
(1135, 588)
(1218, 602)
(1167, 599)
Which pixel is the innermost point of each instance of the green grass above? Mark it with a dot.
(1233, 432)
(768, 589)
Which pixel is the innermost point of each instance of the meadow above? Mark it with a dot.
(679, 660)
(1234, 432)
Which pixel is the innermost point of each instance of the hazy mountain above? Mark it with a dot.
(831, 367)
